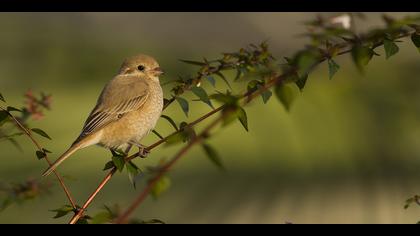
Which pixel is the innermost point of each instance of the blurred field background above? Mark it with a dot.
(348, 152)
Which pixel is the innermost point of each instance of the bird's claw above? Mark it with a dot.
(143, 152)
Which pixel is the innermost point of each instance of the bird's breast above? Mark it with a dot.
(137, 124)
(145, 119)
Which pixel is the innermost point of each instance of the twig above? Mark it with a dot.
(60, 179)
(80, 212)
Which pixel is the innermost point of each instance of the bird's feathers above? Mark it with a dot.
(62, 158)
(121, 95)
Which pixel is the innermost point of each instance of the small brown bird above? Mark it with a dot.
(126, 111)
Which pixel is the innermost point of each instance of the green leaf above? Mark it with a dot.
(184, 104)
(286, 93)
(224, 98)
(152, 221)
(83, 220)
(332, 68)
(118, 152)
(6, 203)
(230, 114)
(243, 118)
(288, 60)
(223, 78)
(183, 125)
(361, 56)
(160, 187)
(3, 117)
(202, 95)
(410, 201)
(40, 155)
(11, 135)
(211, 80)
(41, 132)
(171, 121)
(166, 102)
(15, 143)
(139, 221)
(109, 165)
(9, 109)
(157, 134)
(390, 48)
(196, 63)
(176, 138)
(64, 210)
(266, 95)
(46, 151)
(253, 85)
(238, 74)
(101, 218)
(213, 155)
(301, 81)
(133, 171)
(415, 38)
(306, 60)
(2, 98)
(119, 162)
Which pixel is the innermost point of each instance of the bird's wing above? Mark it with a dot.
(119, 97)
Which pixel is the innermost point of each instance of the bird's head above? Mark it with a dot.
(141, 65)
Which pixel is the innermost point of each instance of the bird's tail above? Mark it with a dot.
(62, 158)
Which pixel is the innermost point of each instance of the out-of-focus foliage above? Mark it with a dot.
(18, 193)
(11, 193)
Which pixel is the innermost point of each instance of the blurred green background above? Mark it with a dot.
(348, 152)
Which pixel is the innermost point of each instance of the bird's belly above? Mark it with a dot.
(132, 126)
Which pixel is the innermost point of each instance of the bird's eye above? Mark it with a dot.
(141, 68)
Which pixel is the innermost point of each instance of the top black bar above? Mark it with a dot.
(212, 5)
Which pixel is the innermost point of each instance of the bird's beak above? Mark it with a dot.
(158, 71)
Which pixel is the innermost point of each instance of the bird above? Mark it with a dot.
(126, 111)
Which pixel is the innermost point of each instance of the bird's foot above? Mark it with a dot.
(143, 152)
(127, 150)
